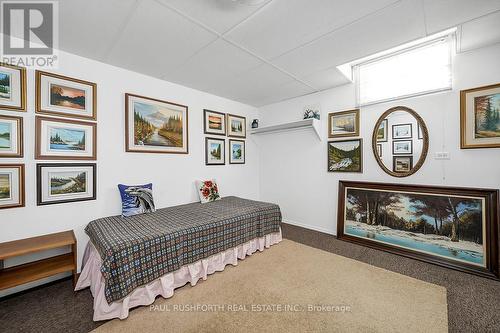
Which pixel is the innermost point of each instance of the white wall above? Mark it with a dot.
(172, 175)
(293, 164)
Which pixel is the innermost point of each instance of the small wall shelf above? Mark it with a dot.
(293, 126)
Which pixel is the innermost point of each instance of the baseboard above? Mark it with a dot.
(310, 227)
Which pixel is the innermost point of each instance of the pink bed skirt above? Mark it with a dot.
(91, 276)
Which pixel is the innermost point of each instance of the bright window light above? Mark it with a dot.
(418, 70)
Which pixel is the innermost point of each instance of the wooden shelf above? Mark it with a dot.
(293, 126)
(36, 244)
(14, 276)
(32, 271)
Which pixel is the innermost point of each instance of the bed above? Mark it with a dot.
(129, 261)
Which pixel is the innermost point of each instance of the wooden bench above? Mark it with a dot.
(36, 270)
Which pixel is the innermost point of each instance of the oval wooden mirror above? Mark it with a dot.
(400, 141)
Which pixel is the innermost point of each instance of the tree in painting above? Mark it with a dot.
(445, 225)
(487, 116)
(4, 85)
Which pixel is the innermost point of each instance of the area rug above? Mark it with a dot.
(295, 288)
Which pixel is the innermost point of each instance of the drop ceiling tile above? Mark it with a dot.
(156, 40)
(326, 79)
(77, 36)
(480, 32)
(390, 27)
(443, 14)
(257, 83)
(213, 67)
(220, 15)
(280, 93)
(286, 24)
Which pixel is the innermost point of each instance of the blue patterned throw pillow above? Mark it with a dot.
(136, 199)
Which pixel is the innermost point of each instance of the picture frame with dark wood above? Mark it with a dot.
(12, 87)
(237, 151)
(155, 126)
(12, 186)
(65, 182)
(236, 126)
(64, 96)
(214, 122)
(65, 139)
(402, 163)
(215, 151)
(480, 117)
(402, 147)
(449, 226)
(11, 137)
(343, 124)
(402, 131)
(345, 155)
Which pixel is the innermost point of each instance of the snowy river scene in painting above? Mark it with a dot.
(445, 226)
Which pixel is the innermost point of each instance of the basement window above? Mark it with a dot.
(421, 69)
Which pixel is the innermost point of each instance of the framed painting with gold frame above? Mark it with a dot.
(12, 87)
(63, 96)
(11, 136)
(12, 192)
(480, 117)
(342, 124)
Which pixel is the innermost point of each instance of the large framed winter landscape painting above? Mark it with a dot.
(451, 227)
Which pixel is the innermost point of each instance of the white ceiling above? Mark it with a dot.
(265, 53)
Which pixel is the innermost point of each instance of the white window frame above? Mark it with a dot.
(450, 39)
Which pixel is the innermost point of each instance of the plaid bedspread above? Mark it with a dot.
(139, 249)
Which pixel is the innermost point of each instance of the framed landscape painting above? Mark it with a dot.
(214, 122)
(402, 163)
(12, 87)
(345, 123)
(402, 131)
(480, 117)
(382, 131)
(345, 156)
(236, 152)
(215, 151)
(11, 136)
(11, 185)
(64, 139)
(236, 126)
(451, 227)
(60, 95)
(155, 126)
(65, 182)
(404, 147)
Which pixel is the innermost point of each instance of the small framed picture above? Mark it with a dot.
(345, 156)
(214, 122)
(382, 131)
(420, 134)
(155, 126)
(401, 131)
(345, 123)
(64, 139)
(403, 147)
(11, 185)
(236, 151)
(11, 136)
(402, 163)
(64, 96)
(236, 126)
(379, 150)
(480, 117)
(215, 151)
(12, 87)
(65, 182)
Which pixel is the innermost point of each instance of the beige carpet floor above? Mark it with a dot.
(295, 288)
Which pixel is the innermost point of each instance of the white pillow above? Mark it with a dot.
(207, 190)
